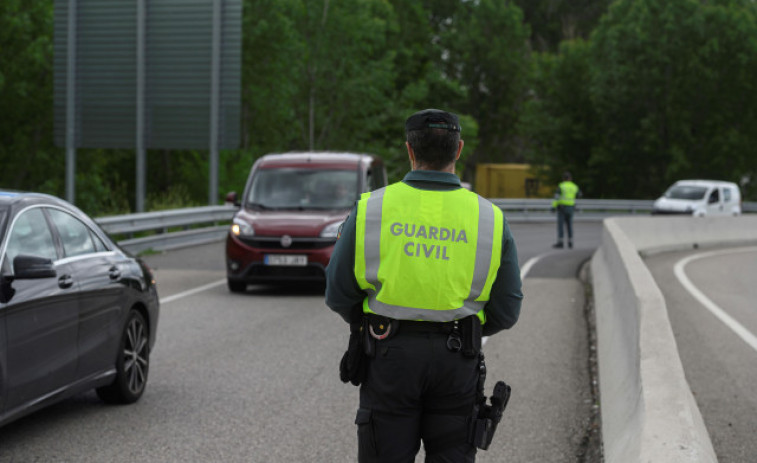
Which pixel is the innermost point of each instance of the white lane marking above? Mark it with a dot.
(729, 321)
(190, 292)
(527, 266)
(523, 272)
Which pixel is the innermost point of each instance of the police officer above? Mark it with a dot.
(565, 203)
(431, 266)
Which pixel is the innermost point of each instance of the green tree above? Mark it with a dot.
(487, 54)
(662, 90)
(345, 73)
(559, 121)
(27, 154)
(554, 21)
(673, 89)
(271, 49)
(420, 81)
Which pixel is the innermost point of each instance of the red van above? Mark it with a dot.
(290, 212)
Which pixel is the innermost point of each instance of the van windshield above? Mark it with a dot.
(686, 192)
(3, 213)
(295, 188)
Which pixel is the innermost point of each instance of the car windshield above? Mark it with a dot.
(686, 192)
(295, 188)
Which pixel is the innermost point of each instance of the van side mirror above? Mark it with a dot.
(32, 267)
(231, 197)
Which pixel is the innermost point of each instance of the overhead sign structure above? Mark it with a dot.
(144, 74)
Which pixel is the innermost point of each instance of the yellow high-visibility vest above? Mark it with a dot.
(567, 196)
(426, 255)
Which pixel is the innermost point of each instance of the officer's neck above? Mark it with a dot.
(449, 169)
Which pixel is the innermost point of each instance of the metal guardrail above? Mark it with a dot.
(586, 209)
(199, 225)
(196, 225)
(748, 207)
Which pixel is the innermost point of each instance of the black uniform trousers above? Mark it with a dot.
(564, 216)
(417, 389)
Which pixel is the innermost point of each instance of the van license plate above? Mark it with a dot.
(295, 260)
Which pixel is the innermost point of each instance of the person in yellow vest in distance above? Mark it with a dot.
(565, 204)
(422, 269)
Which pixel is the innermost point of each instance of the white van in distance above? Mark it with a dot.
(700, 198)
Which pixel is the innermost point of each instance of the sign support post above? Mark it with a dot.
(215, 97)
(141, 152)
(71, 104)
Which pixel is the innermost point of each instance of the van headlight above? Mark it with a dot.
(241, 228)
(331, 230)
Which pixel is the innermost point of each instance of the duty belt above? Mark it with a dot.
(413, 326)
(462, 335)
(381, 327)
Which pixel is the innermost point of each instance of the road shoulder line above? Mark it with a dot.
(721, 314)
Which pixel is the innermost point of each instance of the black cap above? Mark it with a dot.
(432, 119)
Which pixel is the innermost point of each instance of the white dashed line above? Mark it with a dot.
(190, 292)
(523, 272)
(527, 266)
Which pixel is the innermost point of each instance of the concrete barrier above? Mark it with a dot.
(648, 411)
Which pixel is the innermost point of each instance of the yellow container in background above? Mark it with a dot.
(510, 181)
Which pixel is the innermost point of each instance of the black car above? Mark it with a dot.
(76, 311)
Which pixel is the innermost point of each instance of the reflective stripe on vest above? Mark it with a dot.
(568, 192)
(426, 255)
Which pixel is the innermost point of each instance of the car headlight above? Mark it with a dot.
(241, 228)
(331, 230)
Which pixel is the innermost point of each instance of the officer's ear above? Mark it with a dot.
(410, 154)
(459, 149)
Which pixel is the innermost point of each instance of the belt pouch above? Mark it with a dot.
(352, 367)
(471, 333)
(369, 344)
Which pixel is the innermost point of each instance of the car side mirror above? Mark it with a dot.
(231, 197)
(6, 290)
(32, 267)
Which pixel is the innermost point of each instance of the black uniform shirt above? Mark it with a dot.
(344, 296)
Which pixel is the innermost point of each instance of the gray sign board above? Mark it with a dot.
(144, 74)
(178, 57)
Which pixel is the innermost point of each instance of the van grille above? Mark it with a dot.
(309, 272)
(270, 242)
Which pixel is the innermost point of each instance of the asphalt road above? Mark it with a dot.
(712, 324)
(253, 377)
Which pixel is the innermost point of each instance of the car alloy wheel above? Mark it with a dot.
(132, 363)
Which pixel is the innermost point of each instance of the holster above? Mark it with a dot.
(486, 417)
(354, 363)
(362, 346)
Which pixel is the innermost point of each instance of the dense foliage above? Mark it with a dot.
(662, 90)
(629, 95)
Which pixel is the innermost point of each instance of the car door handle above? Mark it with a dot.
(65, 281)
(114, 273)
